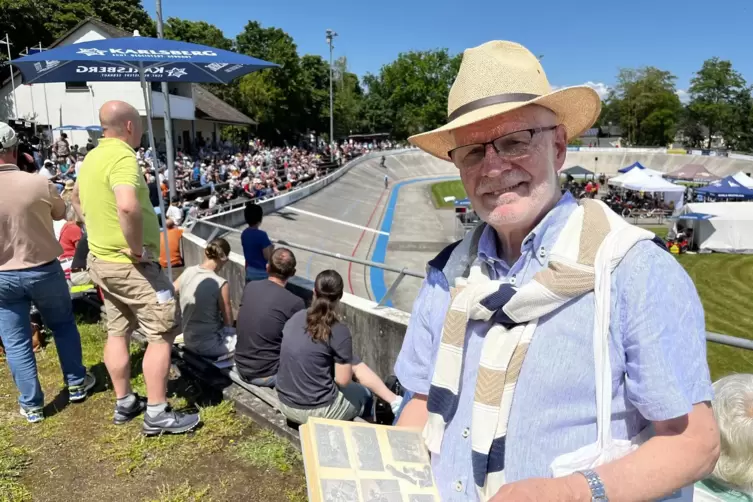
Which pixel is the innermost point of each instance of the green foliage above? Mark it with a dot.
(714, 92)
(31, 22)
(196, 32)
(411, 92)
(649, 109)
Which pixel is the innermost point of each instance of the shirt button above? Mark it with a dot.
(512, 279)
(459, 486)
(542, 252)
(466, 433)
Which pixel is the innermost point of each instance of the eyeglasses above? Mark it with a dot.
(512, 145)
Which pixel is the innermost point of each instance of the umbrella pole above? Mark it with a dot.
(155, 164)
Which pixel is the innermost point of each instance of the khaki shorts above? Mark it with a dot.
(130, 292)
(350, 402)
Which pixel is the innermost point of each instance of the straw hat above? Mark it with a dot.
(498, 77)
(69, 185)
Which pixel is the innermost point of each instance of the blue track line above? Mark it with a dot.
(376, 275)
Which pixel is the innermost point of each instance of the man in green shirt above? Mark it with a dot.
(123, 234)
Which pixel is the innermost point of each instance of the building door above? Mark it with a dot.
(186, 142)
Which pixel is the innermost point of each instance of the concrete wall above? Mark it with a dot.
(377, 332)
(611, 160)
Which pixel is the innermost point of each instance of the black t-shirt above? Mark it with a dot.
(306, 377)
(265, 308)
(153, 193)
(79, 256)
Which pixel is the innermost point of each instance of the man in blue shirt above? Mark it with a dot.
(507, 135)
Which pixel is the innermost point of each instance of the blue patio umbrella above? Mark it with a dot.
(129, 58)
(132, 59)
(69, 128)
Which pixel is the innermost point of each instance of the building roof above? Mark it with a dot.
(210, 107)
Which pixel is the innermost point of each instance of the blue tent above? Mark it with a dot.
(124, 59)
(693, 216)
(726, 188)
(634, 165)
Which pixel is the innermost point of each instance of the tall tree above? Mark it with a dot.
(414, 90)
(712, 95)
(314, 83)
(196, 32)
(128, 15)
(738, 132)
(273, 97)
(648, 105)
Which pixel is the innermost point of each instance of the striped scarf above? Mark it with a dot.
(513, 314)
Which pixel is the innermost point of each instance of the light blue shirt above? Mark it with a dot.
(657, 353)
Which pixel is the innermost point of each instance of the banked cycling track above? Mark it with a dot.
(343, 217)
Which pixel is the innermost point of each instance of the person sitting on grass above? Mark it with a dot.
(257, 248)
(317, 364)
(205, 304)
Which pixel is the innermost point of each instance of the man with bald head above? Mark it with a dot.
(124, 248)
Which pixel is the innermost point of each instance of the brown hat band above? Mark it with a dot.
(509, 97)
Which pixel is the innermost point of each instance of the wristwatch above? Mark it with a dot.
(598, 493)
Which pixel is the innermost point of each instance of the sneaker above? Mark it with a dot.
(170, 422)
(125, 414)
(32, 415)
(77, 393)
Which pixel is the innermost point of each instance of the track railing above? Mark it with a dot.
(732, 341)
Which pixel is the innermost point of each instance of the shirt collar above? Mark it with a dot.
(541, 239)
(8, 167)
(114, 140)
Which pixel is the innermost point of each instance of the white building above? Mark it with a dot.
(197, 113)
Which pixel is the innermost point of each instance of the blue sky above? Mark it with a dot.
(581, 41)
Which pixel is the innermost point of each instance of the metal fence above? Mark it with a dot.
(732, 341)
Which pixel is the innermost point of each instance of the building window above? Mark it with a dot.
(76, 86)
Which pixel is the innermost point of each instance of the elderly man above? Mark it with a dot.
(500, 351)
(30, 272)
(124, 249)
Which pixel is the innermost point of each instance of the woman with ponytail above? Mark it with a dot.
(317, 364)
(205, 304)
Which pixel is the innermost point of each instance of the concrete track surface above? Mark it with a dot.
(416, 230)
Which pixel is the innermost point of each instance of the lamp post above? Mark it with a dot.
(330, 36)
(168, 120)
(13, 80)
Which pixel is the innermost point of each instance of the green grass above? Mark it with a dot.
(267, 451)
(446, 189)
(78, 454)
(725, 285)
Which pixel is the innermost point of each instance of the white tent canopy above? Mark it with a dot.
(743, 179)
(641, 181)
(729, 231)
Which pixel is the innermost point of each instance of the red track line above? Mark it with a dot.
(363, 232)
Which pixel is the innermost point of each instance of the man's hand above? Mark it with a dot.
(566, 489)
(144, 258)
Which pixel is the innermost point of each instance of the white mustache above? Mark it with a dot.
(499, 184)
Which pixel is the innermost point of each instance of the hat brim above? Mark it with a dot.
(577, 108)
